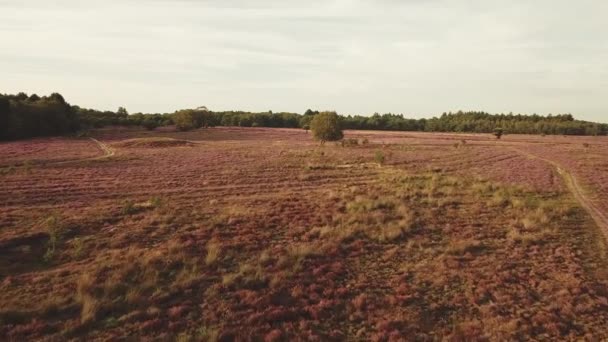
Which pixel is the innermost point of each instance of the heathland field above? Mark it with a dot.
(263, 234)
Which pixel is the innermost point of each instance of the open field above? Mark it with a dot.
(261, 234)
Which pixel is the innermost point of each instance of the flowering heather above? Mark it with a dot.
(261, 234)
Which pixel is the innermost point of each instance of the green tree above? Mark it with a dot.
(149, 123)
(5, 108)
(122, 111)
(33, 98)
(499, 132)
(325, 126)
(186, 120)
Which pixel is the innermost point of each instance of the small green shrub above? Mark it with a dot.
(156, 202)
(128, 208)
(78, 244)
(149, 124)
(379, 157)
(349, 142)
(54, 227)
(499, 132)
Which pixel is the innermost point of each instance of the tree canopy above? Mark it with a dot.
(325, 126)
(23, 116)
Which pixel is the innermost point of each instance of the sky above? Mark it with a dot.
(415, 57)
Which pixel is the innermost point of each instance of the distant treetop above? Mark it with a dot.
(23, 116)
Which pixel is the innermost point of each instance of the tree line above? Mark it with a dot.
(24, 116)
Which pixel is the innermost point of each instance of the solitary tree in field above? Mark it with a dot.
(499, 132)
(185, 120)
(325, 126)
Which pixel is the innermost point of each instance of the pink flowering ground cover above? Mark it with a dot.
(261, 234)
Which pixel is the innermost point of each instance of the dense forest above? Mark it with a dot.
(23, 116)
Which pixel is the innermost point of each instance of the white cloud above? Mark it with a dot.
(414, 57)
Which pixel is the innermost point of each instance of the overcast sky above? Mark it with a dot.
(415, 57)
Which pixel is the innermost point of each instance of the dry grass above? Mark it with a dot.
(260, 234)
(213, 252)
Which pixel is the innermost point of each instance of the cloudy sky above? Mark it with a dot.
(415, 57)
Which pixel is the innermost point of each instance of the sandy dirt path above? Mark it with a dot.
(108, 151)
(579, 194)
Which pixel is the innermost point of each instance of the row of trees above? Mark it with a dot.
(23, 116)
(91, 118)
(479, 122)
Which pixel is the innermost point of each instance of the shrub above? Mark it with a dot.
(499, 132)
(78, 245)
(128, 208)
(379, 157)
(325, 126)
(54, 228)
(155, 201)
(149, 124)
(350, 142)
(185, 120)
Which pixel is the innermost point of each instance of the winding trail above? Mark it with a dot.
(107, 152)
(573, 186)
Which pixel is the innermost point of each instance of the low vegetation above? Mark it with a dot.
(298, 242)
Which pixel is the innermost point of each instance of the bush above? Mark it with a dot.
(350, 142)
(149, 124)
(128, 208)
(379, 157)
(185, 120)
(325, 126)
(499, 132)
(54, 227)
